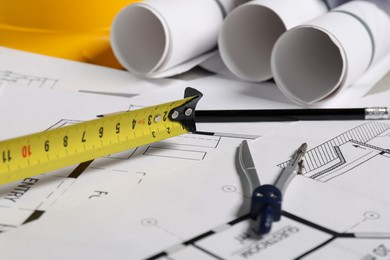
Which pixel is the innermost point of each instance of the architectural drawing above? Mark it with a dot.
(23, 202)
(348, 159)
(340, 161)
(27, 80)
(182, 198)
(17, 208)
(232, 241)
(327, 157)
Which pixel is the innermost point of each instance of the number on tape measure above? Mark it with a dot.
(42, 152)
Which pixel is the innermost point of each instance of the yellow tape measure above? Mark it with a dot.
(43, 152)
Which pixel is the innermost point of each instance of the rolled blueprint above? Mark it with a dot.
(333, 3)
(160, 38)
(316, 60)
(250, 31)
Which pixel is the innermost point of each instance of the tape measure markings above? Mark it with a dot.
(43, 152)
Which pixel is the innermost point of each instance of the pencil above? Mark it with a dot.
(312, 114)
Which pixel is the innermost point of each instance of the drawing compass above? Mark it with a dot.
(266, 199)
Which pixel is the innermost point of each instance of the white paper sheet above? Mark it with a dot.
(320, 58)
(158, 38)
(31, 110)
(158, 199)
(150, 204)
(41, 71)
(249, 32)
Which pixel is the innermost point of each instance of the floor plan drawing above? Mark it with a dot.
(19, 206)
(328, 156)
(348, 159)
(182, 198)
(239, 244)
(337, 160)
(24, 203)
(27, 80)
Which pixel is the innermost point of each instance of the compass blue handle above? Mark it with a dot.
(266, 207)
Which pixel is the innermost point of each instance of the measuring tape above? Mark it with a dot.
(46, 151)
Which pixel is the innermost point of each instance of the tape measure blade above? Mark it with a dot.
(44, 152)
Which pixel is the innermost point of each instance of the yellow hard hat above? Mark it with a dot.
(71, 29)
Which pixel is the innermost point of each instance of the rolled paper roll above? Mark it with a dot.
(315, 61)
(334, 3)
(215, 65)
(160, 38)
(250, 31)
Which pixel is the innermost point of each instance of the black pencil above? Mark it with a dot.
(264, 115)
